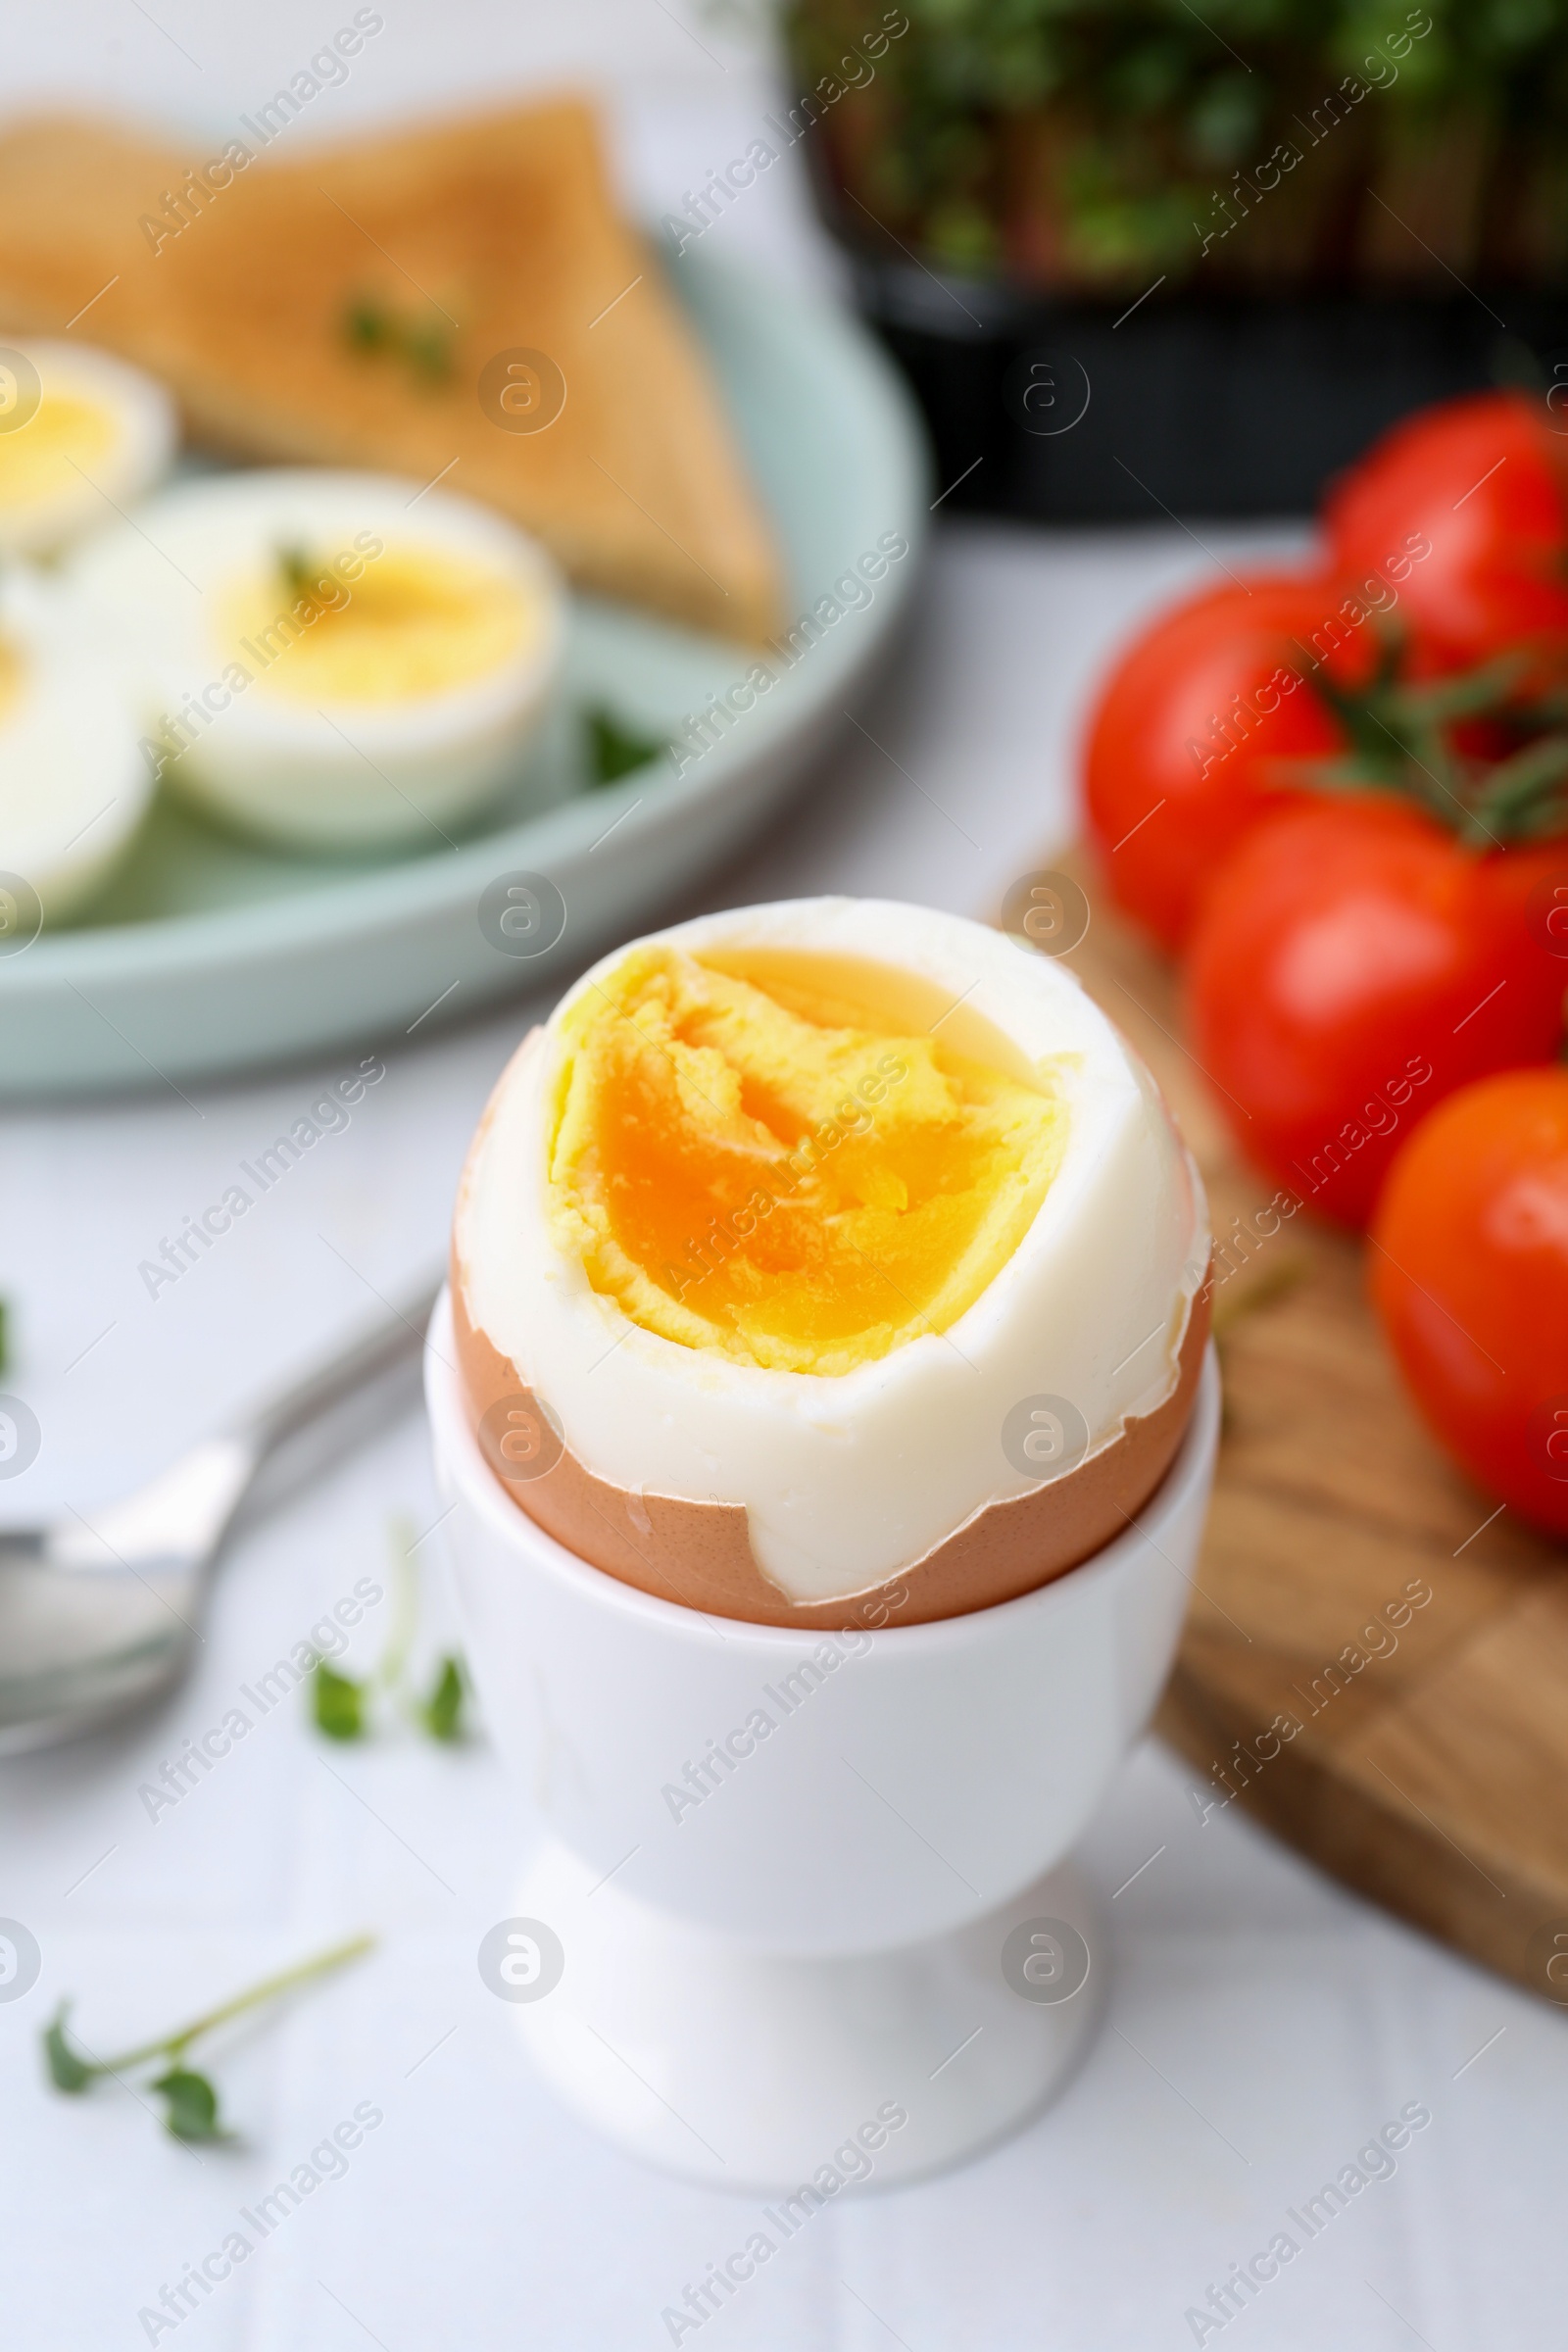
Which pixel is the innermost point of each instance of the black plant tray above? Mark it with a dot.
(1061, 412)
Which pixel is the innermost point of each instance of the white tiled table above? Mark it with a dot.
(1262, 2023)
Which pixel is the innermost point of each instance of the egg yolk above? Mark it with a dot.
(41, 458)
(10, 678)
(415, 622)
(775, 1174)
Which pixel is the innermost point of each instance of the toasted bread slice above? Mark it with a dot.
(342, 308)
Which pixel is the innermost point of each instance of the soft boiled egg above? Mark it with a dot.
(333, 658)
(827, 1260)
(73, 782)
(82, 437)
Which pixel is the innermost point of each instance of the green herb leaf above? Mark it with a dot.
(337, 1703)
(296, 567)
(367, 326)
(442, 1712)
(66, 2072)
(614, 750)
(372, 327)
(428, 351)
(192, 2105)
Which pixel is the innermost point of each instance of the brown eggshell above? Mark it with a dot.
(700, 1553)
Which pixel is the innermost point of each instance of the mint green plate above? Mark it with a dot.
(210, 954)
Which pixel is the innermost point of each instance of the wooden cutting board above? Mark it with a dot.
(1429, 1763)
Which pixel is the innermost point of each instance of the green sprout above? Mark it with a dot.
(191, 2112)
(367, 326)
(345, 1709)
(337, 1702)
(300, 573)
(615, 750)
(428, 351)
(376, 329)
(442, 1712)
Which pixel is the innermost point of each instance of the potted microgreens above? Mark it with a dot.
(1134, 253)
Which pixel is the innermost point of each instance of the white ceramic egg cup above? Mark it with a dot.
(752, 1979)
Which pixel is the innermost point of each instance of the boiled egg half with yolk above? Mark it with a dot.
(73, 782)
(333, 659)
(83, 436)
(824, 1251)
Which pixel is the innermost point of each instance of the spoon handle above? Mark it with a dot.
(365, 1359)
(95, 1619)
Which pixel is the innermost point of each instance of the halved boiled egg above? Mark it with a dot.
(333, 658)
(829, 1256)
(73, 782)
(82, 437)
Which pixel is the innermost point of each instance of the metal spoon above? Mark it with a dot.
(98, 1618)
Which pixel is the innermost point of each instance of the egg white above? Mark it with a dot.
(73, 782)
(143, 432)
(335, 774)
(847, 1479)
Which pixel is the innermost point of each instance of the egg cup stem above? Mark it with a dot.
(773, 2073)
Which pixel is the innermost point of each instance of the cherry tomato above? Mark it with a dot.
(1186, 743)
(1470, 1278)
(1481, 485)
(1353, 964)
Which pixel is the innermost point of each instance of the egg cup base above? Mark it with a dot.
(768, 2065)
(778, 1863)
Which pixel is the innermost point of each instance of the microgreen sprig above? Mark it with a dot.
(615, 749)
(442, 1712)
(295, 567)
(191, 2111)
(343, 1708)
(377, 329)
